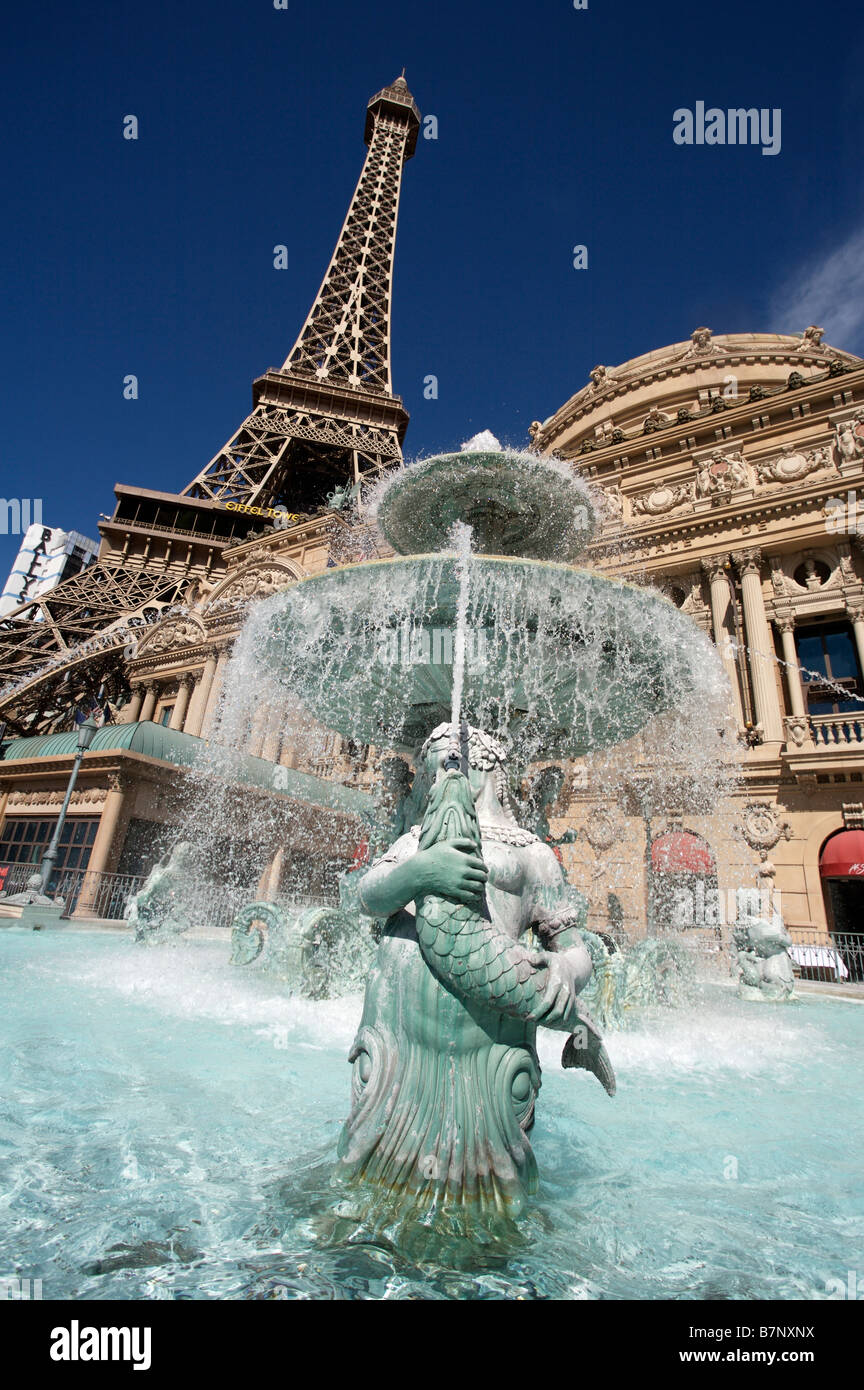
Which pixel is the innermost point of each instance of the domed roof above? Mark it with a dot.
(685, 375)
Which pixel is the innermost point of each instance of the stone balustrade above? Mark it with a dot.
(831, 730)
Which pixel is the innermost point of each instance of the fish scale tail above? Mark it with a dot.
(464, 948)
(482, 964)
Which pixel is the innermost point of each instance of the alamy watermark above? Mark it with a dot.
(844, 517)
(852, 1289)
(428, 646)
(15, 1289)
(16, 516)
(77, 1343)
(704, 906)
(737, 126)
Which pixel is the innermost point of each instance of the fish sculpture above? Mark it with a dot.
(466, 951)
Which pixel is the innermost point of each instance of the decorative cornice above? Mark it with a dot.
(81, 798)
(734, 409)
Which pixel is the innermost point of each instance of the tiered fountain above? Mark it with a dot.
(495, 652)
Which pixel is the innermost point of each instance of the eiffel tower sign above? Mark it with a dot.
(325, 419)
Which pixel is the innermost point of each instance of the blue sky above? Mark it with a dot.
(155, 256)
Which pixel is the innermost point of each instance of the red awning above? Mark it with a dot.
(679, 852)
(843, 855)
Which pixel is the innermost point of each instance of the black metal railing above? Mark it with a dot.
(102, 895)
(838, 959)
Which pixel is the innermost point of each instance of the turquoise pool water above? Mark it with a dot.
(166, 1124)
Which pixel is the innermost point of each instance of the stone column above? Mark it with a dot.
(721, 597)
(178, 714)
(272, 749)
(257, 732)
(855, 612)
(215, 691)
(268, 884)
(132, 712)
(198, 708)
(760, 646)
(103, 846)
(786, 624)
(798, 732)
(276, 875)
(150, 699)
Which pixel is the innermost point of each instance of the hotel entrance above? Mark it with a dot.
(841, 866)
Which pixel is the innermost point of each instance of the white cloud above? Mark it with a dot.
(828, 290)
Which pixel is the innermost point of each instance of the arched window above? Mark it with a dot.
(682, 884)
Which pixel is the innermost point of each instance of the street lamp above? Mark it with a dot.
(85, 738)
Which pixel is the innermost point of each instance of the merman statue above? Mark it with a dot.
(480, 947)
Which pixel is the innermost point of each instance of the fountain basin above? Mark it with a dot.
(563, 660)
(515, 504)
(169, 1124)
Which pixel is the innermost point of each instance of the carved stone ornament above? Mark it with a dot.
(811, 339)
(172, 633)
(599, 377)
(779, 582)
(86, 796)
(655, 420)
(761, 826)
(716, 567)
(601, 830)
(662, 499)
(255, 583)
(614, 504)
(849, 439)
(847, 567)
(797, 730)
(793, 464)
(721, 473)
(701, 343)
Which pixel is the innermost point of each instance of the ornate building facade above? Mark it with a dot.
(732, 468)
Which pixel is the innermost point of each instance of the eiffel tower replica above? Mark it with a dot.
(320, 424)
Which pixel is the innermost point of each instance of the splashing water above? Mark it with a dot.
(172, 1121)
(199, 1183)
(462, 545)
(557, 662)
(482, 443)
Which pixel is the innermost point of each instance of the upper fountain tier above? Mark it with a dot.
(515, 503)
(559, 660)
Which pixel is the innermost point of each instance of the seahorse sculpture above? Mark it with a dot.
(463, 947)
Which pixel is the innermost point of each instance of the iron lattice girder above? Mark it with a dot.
(346, 336)
(44, 705)
(333, 395)
(334, 388)
(251, 468)
(76, 610)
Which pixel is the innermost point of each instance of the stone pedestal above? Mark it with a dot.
(36, 915)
